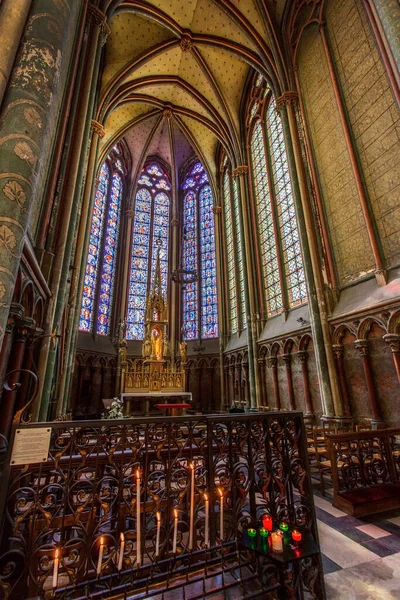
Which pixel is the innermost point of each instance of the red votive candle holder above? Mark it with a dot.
(296, 536)
(267, 522)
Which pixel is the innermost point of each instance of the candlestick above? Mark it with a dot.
(175, 530)
(267, 522)
(296, 536)
(221, 515)
(158, 517)
(191, 525)
(121, 551)
(55, 567)
(284, 527)
(206, 526)
(138, 552)
(100, 559)
(264, 532)
(277, 541)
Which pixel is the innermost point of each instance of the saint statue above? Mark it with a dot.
(183, 348)
(156, 345)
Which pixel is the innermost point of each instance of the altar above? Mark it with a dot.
(145, 404)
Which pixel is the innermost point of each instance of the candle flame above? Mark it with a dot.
(102, 541)
(122, 537)
(158, 516)
(191, 465)
(206, 497)
(175, 513)
(137, 474)
(57, 553)
(221, 493)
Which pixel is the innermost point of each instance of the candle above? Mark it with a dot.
(191, 507)
(296, 536)
(121, 551)
(158, 517)
(55, 567)
(277, 541)
(252, 532)
(264, 532)
(284, 527)
(139, 558)
(221, 515)
(175, 530)
(267, 522)
(100, 559)
(206, 526)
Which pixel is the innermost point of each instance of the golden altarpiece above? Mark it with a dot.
(157, 371)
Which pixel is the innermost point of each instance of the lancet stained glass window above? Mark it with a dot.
(239, 252)
(150, 223)
(199, 299)
(230, 255)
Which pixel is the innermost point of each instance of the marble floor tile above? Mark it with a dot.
(341, 549)
(327, 507)
(373, 531)
(395, 520)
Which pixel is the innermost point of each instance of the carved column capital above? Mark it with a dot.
(302, 355)
(261, 360)
(272, 361)
(287, 98)
(337, 350)
(240, 171)
(287, 358)
(174, 222)
(97, 128)
(217, 210)
(99, 19)
(362, 346)
(393, 339)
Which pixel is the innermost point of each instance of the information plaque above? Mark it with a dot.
(31, 446)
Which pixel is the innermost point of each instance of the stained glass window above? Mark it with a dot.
(107, 276)
(293, 263)
(239, 252)
(230, 255)
(93, 259)
(199, 299)
(150, 223)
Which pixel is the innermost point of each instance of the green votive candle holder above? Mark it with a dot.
(264, 532)
(284, 527)
(252, 533)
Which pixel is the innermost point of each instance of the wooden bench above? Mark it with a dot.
(365, 471)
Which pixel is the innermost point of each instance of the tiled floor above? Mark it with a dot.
(361, 557)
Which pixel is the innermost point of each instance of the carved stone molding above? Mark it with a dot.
(186, 43)
(240, 171)
(97, 128)
(287, 98)
(217, 210)
(337, 350)
(393, 339)
(362, 346)
(272, 361)
(99, 19)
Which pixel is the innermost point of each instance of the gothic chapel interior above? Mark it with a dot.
(200, 197)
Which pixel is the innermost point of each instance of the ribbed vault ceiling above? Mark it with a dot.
(174, 73)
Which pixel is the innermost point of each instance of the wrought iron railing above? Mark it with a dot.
(73, 527)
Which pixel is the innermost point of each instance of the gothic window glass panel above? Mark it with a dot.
(109, 258)
(139, 266)
(189, 262)
(93, 259)
(160, 232)
(265, 220)
(239, 252)
(293, 263)
(208, 270)
(230, 255)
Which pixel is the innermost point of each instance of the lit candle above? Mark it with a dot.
(296, 536)
(277, 541)
(191, 507)
(121, 551)
(158, 517)
(100, 559)
(264, 532)
(206, 526)
(55, 567)
(139, 558)
(284, 527)
(175, 530)
(267, 522)
(252, 532)
(221, 515)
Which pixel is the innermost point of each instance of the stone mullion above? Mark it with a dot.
(26, 109)
(363, 347)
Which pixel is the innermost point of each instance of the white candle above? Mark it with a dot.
(277, 541)
(206, 526)
(191, 525)
(221, 515)
(100, 560)
(121, 551)
(55, 567)
(139, 557)
(158, 516)
(175, 530)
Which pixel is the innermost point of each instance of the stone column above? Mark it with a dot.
(16, 312)
(303, 356)
(393, 339)
(287, 359)
(363, 347)
(245, 368)
(273, 363)
(338, 352)
(261, 372)
(217, 211)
